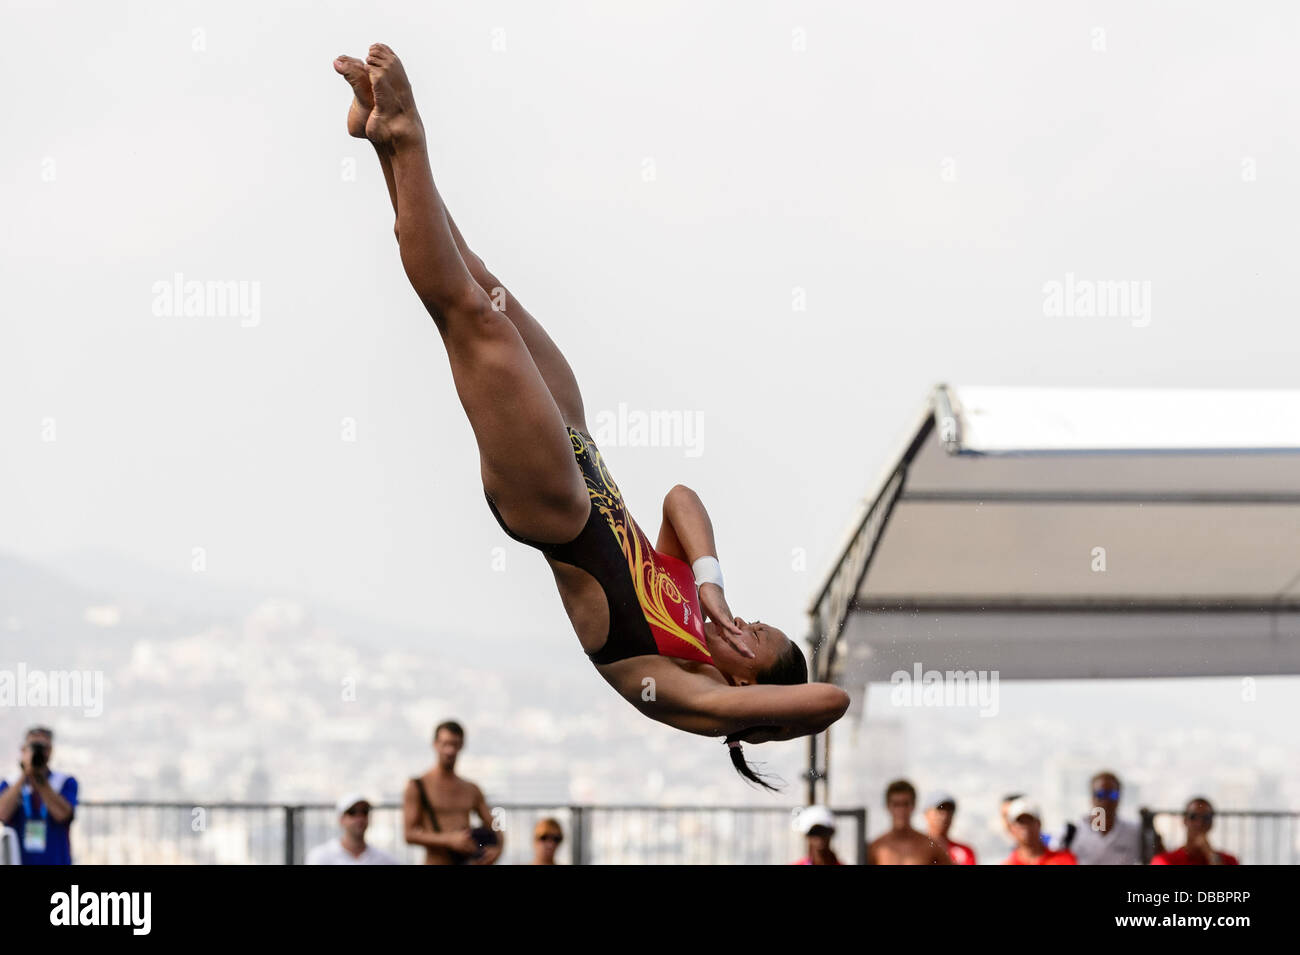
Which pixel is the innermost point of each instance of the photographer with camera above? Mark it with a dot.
(40, 803)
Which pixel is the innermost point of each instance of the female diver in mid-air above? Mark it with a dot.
(639, 611)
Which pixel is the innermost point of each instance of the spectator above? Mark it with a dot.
(350, 849)
(1101, 837)
(40, 804)
(547, 836)
(817, 823)
(1025, 819)
(940, 807)
(903, 845)
(1198, 817)
(1007, 800)
(437, 805)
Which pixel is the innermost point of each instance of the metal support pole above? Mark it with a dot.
(860, 855)
(577, 819)
(290, 834)
(1148, 835)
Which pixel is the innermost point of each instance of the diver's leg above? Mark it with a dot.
(550, 361)
(363, 101)
(525, 452)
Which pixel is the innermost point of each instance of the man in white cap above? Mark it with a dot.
(940, 807)
(818, 824)
(350, 849)
(1025, 820)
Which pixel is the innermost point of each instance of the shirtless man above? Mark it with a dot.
(452, 799)
(903, 845)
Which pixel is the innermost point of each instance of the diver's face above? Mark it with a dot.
(767, 643)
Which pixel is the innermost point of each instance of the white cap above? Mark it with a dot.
(814, 816)
(1024, 806)
(937, 797)
(348, 801)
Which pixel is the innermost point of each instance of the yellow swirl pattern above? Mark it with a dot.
(655, 587)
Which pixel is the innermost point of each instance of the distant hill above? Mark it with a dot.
(51, 596)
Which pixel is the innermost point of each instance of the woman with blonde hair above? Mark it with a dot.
(547, 836)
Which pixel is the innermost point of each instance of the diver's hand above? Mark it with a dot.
(714, 604)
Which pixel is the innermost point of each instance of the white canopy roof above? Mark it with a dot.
(1026, 420)
(1071, 533)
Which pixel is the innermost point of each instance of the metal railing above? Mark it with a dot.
(1254, 837)
(128, 833)
(172, 833)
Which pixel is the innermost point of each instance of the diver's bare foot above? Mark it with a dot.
(363, 97)
(394, 121)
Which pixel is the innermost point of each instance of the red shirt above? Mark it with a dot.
(1183, 857)
(1047, 858)
(961, 855)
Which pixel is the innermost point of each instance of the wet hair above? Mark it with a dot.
(451, 726)
(900, 786)
(790, 669)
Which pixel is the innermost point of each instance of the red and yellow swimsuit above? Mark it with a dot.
(654, 607)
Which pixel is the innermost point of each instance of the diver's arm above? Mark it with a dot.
(687, 534)
(686, 528)
(764, 713)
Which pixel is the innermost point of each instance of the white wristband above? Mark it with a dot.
(708, 571)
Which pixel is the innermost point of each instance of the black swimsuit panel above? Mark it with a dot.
(607, 547)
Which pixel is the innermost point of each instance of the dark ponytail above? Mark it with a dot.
(742, 767)
(790, 669)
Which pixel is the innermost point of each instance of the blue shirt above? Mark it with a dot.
(58, 848)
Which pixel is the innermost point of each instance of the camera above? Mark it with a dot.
(40, 755)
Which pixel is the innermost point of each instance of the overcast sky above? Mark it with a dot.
(786, 221)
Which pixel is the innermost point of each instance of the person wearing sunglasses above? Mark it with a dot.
(1102, 837)
(1198, 817)
(350, 848)
(547, 836)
